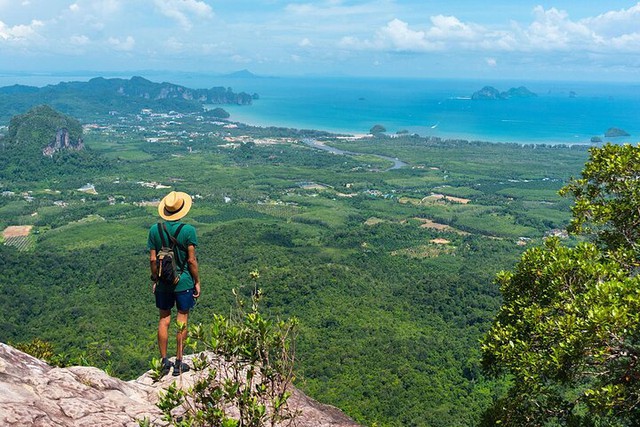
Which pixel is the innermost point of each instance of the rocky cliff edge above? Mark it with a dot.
(33, 393)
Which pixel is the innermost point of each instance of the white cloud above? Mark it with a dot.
(491, 62)
(181, 10)
(616, 23)
(20, 32)
(106, 7)
(79, 40)
(551, 30)
(626, 42)
(395, 36)
(336, 9)
(305, 42)
(125, 45)
(240, 59)
(402, 37)
(174, 45)
(450, 27)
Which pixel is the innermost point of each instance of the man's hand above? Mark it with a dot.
(196, 290)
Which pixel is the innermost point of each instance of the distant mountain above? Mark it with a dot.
(8, 90)
(490, 92)
(101, 96)
(245, 74)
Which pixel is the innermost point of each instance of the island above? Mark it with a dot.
(490, 92)
(615, 133)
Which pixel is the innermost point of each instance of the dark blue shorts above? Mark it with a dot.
(183, 300)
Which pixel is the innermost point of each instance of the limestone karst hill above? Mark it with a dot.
(44, 130)
(33, 393)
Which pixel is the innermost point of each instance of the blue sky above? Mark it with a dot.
(582, 40)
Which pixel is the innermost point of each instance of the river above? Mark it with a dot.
(397, 164)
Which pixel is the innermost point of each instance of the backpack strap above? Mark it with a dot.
(174, 239)
(161, 230)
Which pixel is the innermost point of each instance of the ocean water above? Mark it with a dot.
(563, 112)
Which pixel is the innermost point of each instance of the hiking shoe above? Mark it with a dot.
(179, 368)
(166, 366)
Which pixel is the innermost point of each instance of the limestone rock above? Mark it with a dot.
(33, 393)
(62, 141)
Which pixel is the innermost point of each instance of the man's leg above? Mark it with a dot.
(184, 303)
(182, 318)
(163, 331)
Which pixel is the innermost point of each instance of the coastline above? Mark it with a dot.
(251, 120)
(443, 109)
(255, 120)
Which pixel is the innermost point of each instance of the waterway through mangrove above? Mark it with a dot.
(397, 164)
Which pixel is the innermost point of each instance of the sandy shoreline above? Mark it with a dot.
(358, 134)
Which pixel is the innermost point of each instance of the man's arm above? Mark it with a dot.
(192, 263)
(154, 267)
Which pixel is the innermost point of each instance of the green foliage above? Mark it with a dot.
(256, 356)
(38, 348)
(607, 197)
(219, 113)
(96, 355)
(568, 332)
(377, 129)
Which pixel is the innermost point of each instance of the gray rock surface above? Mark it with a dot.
(33, 393)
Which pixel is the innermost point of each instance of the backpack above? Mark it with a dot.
(167, 261)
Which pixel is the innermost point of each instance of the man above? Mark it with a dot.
(172, 208)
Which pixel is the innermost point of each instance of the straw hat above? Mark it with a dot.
(174, 206)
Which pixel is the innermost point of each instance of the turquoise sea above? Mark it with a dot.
(563, 112)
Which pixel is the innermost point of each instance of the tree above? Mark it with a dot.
(607, 197)
(377, 129)
(568, 332)
(219, 113)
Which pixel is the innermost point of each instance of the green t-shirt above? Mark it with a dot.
(186, 237)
